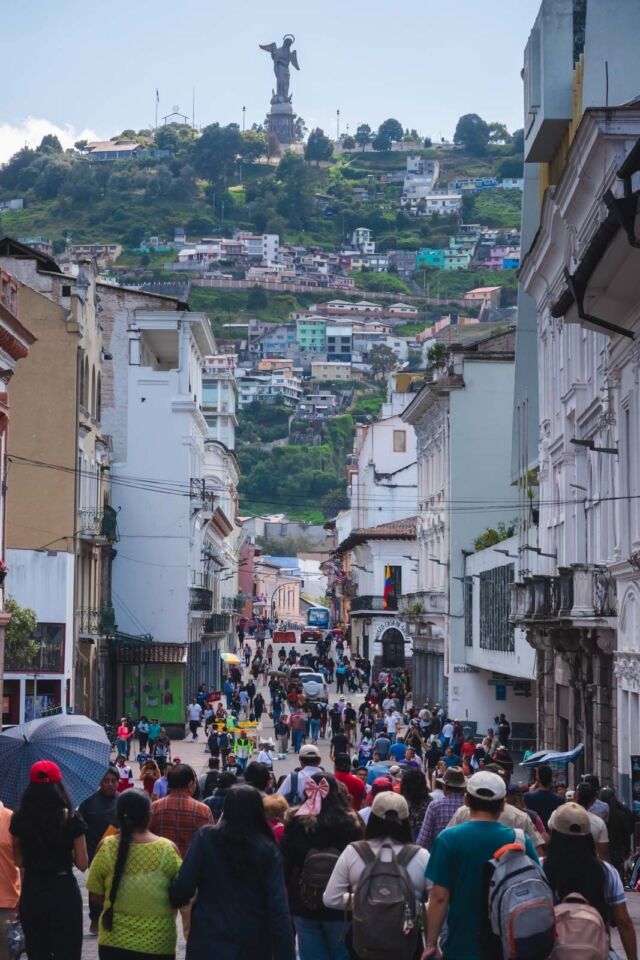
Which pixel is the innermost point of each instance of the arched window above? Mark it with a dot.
(93, 391)
(98, 413)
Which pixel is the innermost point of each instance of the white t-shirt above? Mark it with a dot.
(194, 712)
(265, 757)
(350, 865)
(447, 730)
(364, 813)
(392, 722)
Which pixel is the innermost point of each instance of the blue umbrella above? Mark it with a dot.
(77, 744)
(553, 756)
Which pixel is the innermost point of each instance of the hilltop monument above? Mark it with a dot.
(281, 118)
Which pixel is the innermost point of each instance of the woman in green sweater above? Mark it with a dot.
(130, 874)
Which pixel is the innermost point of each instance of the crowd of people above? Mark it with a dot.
(387, 850)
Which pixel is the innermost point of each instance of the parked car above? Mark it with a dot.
(314, 686)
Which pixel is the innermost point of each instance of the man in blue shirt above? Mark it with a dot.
(456, 869)
(398, 750)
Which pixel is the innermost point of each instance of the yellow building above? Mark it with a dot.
(60, 526)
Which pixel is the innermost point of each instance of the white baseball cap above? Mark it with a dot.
(486, 786)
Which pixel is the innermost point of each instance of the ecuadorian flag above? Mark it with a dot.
(388, 587)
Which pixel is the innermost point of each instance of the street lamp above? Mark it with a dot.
(591, 445)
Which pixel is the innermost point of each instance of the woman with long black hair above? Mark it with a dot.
(235, 868)
(48, 841)
(573, 866)
(326, 821)
(130, 874)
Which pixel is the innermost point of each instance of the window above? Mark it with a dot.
(496, 632)
(66, 290)
(399, 441)
(468, 611)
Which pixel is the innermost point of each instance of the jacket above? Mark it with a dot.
(244, 913)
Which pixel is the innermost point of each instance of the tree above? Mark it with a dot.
(254, 145)
(348, 143)
(498, 133)
(473, 133)
(257, 298)
(388, 131)
(428, 142)
(363, 135)
(50, 144)
(517, 141)
(318, 146)
(20, 646)
(81, 145)
(437, 355)
(299, 129)
(216, 151)
(273, 146)
(382, 360)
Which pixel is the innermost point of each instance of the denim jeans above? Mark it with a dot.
(321, 939)
(298, 736)
(315, 730)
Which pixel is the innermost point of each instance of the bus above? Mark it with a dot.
(318, 617)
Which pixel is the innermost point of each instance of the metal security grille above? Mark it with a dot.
(496, 633)
(468, 611)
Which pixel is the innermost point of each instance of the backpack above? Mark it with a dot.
(520, 903)
(385, 922)
(316, 870)
(580, 931)
(210, 783)
(292, 797)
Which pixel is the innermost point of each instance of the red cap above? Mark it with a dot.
(380, 784)
(45, 771)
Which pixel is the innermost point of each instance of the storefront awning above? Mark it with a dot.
(152, 653)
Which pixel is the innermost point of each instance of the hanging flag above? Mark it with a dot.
(157, 96)
(389, 593)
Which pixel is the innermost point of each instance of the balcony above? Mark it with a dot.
(372, 604)
(99, 622)
(216, 623)
(423, 603)
(579, 592)
(200, 600)
(99, 526)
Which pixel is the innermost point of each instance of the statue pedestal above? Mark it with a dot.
(280, 120)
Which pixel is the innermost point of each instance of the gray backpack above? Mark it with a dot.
(385, 922)
(520, 903)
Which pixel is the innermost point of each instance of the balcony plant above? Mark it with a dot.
(4, 569)
(415, 609)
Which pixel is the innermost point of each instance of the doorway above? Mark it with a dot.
(392, 648)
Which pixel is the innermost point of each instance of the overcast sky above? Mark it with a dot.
(83, 68)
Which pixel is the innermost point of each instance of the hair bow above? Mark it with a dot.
(315, 793)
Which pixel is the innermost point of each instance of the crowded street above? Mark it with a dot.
(196, 754)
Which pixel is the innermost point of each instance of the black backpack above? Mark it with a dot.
(210, 783)
(316, 870)
(292, 797)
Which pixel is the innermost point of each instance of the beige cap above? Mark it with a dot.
(570, 819)
(390, 802)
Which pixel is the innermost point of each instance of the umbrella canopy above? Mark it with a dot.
(230, 658)
(79, 746)
(553, 756)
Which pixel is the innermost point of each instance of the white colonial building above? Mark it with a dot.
(577, 419)
(383, 473)
(461, 417)
(384, 555)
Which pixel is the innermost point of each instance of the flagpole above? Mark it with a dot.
(156, 109)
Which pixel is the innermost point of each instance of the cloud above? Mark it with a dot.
(32, 130)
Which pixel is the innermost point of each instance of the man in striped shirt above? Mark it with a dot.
(439, 812)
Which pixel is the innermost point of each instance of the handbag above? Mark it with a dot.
(15, 939)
